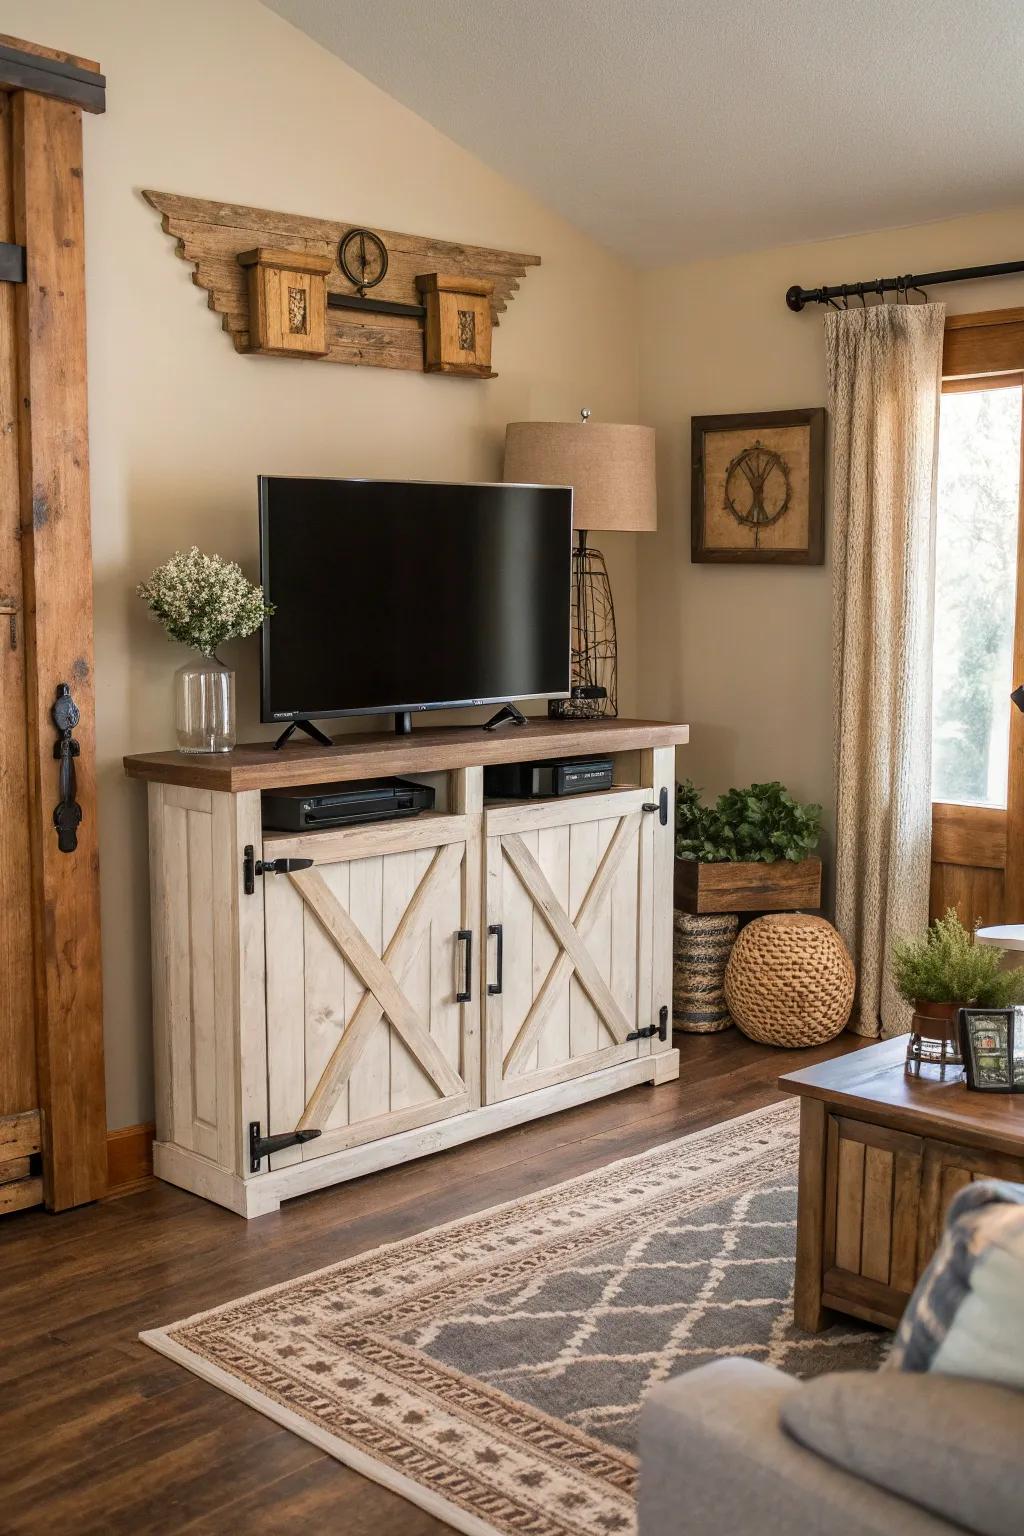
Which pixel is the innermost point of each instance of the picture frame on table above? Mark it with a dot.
(992, 1042)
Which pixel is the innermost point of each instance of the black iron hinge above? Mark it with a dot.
(660, 1029)
(252, 866)
(262, 1146)
(660, 805)
(13, 264)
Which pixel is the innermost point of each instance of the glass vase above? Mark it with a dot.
(204, 706)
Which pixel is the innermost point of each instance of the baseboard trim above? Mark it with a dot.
(129, 1158)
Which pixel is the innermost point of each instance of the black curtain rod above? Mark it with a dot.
(797, 297)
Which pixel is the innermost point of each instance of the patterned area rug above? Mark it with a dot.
(492, 1370)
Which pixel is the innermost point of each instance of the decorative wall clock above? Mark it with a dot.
(363, 257)
(758, 487)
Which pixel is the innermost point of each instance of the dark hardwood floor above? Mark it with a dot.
(100, 1434)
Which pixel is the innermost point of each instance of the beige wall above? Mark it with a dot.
(743, 653)
(225, 100)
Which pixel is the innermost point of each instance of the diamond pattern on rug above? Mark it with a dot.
(588, 1341)
(492, 1368)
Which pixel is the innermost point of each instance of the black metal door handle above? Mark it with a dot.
(68, 813)
(494, 987)
(465, 936)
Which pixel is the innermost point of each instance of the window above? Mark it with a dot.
(975, 587)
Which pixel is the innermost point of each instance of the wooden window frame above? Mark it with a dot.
(986, 351)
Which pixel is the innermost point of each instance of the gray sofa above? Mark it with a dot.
(736, 1447)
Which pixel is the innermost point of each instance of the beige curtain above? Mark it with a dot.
(884, 376)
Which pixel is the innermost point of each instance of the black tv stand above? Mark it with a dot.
(403, 722)
(310, 729)
(508, 714)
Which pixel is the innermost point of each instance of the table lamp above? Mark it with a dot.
(611, 470)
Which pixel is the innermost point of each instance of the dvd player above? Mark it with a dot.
(556, 776)
(310, 806)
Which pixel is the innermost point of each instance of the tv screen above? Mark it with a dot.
(407, 596)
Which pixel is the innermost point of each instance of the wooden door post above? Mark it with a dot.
(57, 572)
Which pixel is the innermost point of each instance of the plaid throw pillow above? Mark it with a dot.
(964, 1316)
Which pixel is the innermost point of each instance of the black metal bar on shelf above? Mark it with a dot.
(797, 297)
(373, 306)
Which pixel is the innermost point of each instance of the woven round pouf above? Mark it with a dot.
(790, 980)
(703, 943)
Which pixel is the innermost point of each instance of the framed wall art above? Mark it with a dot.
(758, 488)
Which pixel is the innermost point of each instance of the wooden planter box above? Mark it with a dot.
(778, 887)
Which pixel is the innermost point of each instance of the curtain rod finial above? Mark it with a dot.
(795, 298)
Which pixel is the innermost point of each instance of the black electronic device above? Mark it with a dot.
(394, 597)
(557, 776)
(310, 806)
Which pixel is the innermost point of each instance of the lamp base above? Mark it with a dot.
(594, 644)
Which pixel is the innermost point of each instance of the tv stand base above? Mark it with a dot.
(508, 714)
(309, 728)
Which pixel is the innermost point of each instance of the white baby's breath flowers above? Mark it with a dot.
(203, 600)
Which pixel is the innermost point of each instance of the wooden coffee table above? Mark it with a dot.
(881, 1155)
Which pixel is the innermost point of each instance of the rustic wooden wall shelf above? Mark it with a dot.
(212, 236)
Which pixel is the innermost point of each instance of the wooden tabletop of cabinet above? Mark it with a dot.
(365, 755)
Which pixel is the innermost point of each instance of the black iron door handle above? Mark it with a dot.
(465, 936)
(498, 930)
(68, 813)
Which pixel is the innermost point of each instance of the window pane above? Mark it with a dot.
(975, 578)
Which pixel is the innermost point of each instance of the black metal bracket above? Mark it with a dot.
(68, 813)
(660, 1029)
(59, 78)
(660, 805)
(262, 1146)
(374, 306)
(13, 263)
(252, 866)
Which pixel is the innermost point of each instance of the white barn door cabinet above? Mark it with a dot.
(333, 1002)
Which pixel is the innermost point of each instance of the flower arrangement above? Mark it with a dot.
(203, 600)
(946, 966)
(758, 825)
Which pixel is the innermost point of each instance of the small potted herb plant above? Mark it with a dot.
(752, 851)
(204, 601)
(943, 972)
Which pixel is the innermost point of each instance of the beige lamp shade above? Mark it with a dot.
(610, 468)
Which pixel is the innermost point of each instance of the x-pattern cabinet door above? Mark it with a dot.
(369, 1027)
(569, 899)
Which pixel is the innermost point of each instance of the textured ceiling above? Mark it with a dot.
(677, 129)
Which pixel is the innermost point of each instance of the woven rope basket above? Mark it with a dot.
(790, 980)
(703, 943)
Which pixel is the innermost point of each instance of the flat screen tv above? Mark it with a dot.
(400, 596)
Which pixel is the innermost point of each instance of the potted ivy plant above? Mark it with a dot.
(942, 972)
(752, 851)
